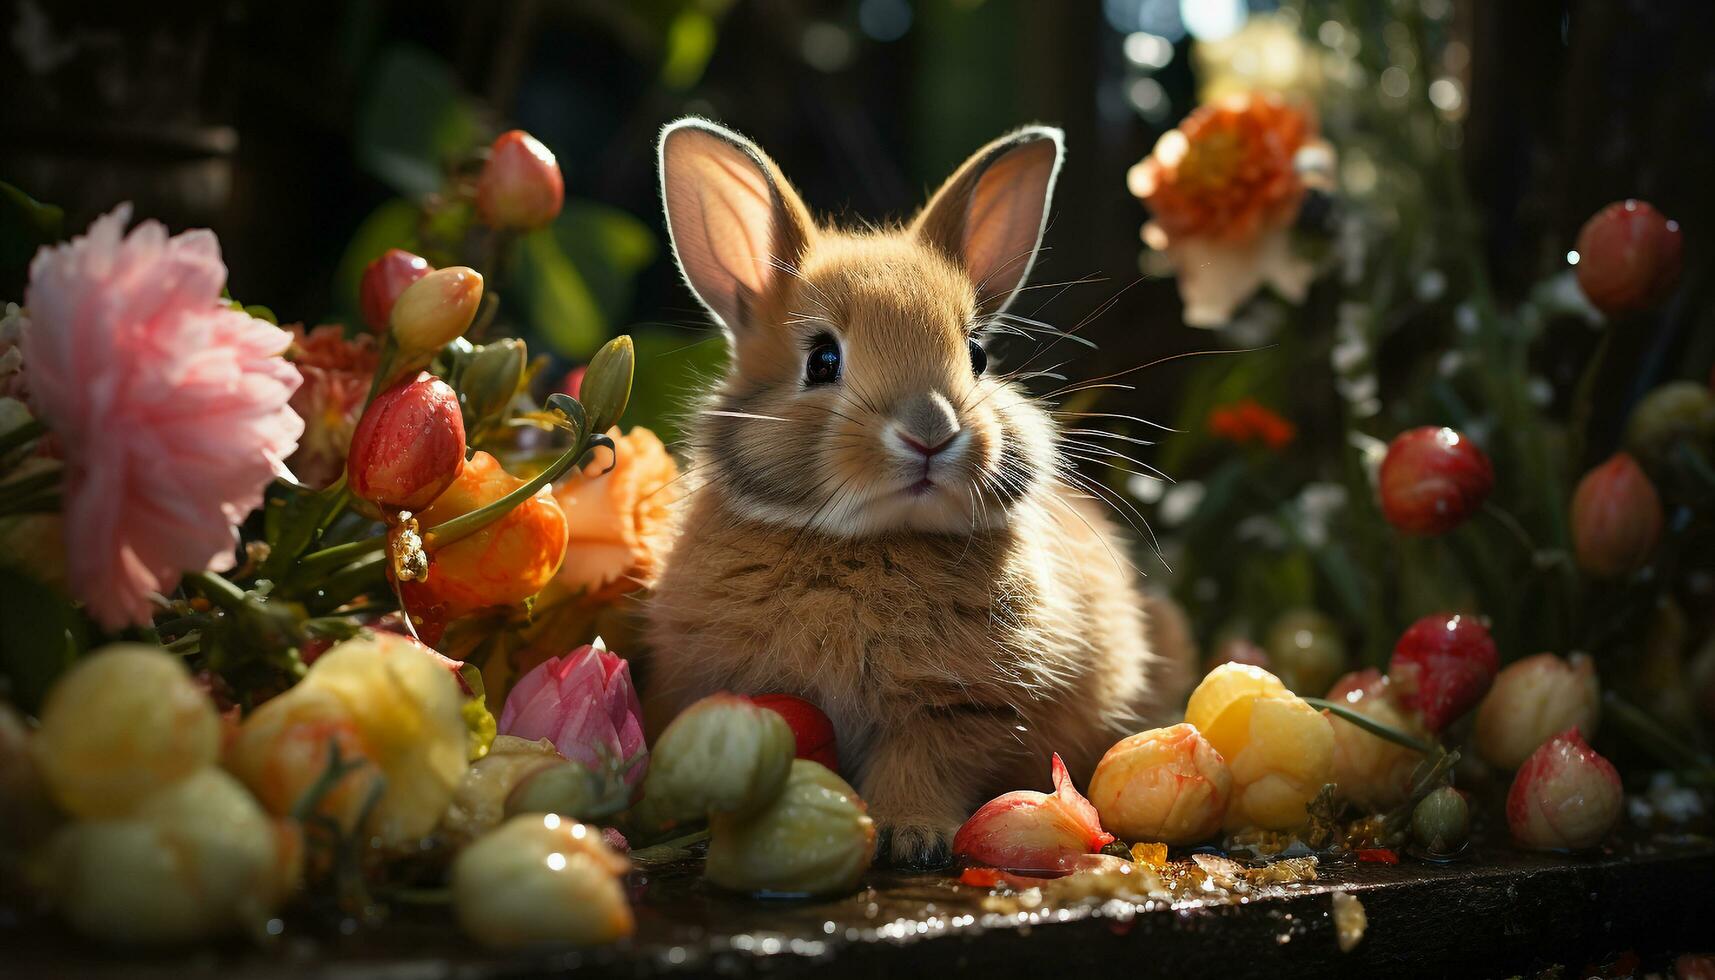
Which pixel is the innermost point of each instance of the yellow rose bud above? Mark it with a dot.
(385, 701)
(436, 309)
(197, 859)
(1280, 750)
(721, 755)
(816, 838)
(124, 722)
(1534, 700)
(1372, 773)
(479, 805)
(1166, 784)
(541, 879)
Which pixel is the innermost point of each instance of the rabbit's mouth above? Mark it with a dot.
(921, 488)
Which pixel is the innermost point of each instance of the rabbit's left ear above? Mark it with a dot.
(988, 217)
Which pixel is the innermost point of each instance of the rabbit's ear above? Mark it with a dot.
(989, 215)
(735, 224)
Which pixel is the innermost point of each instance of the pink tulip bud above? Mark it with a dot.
(520, 186)
(1433, 480)
(585, 704)
(1564, 797)
(1167, 785)
(436, 309)
(1031, 832)
(408, 447)
(1616, 518)
(1628, 257)
(1533, 700)
(1442, 666)
(383, 280)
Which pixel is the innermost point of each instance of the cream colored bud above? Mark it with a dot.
(436, 309)
(1534, 700)
(721, 755)
(540, 878)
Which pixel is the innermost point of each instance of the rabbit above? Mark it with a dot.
(879, 522)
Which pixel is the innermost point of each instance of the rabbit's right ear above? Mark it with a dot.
(735, 224)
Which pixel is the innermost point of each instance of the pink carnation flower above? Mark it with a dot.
(168, 406)
(585, 704)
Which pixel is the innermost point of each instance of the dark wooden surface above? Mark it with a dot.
(1500, 913)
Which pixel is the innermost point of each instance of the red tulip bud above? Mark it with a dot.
(810, 727)
(1628, 257)
(436, 309)
(1564, 797)
(1442, 666)
(1616, 518)
(520, 186)
(409, 445)
(1432, 480)
(383, 281)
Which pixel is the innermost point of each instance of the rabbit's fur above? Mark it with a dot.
(959, 614)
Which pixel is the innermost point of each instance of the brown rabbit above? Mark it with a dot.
(878, 523)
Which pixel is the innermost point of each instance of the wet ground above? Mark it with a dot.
(1497, 913)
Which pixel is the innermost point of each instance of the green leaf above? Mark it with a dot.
(557, 301)
(609, 247)
(26, 224)
(40, 635)
(392, 225)
(415, 120)
(690, 42)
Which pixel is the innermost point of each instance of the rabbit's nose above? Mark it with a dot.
(927, 424)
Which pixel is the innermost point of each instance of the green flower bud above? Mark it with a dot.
(607, 383)
(721, 755)
(814, 839)
(1441, 823)
(491, 376)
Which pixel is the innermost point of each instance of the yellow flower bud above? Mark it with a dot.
(721, 755)
(480, 802)
(816, 838)
(1372, 773)
(1532, 701)
(124, 722)
(436, 309)
(1280, 750)
(192, 861)
(382, 699)
(1166, 784)
(541, 879)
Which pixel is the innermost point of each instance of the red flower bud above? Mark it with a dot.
(409, 445)
(1432, 480)
(810, 727)
(520, 186)
(1616, 518)
(1564, 797)
(383, 281)
(1628, 257)
(1442, 666)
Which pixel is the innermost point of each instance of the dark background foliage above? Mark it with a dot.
(252, 119)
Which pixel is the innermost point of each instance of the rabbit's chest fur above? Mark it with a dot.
(994, 637)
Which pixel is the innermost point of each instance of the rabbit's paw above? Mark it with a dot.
(915, 845)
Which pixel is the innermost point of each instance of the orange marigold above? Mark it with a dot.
(619, 516)
(1247, 421)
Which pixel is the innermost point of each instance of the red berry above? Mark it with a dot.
(409, 445)
(1628, 257)
(1442, 666)
(812, 729)
(383, 281)
(1432, 480)
(1616, 518)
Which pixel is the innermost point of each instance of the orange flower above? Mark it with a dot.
(1246, 421)
(619, 517)
(505, 562)
(336, 374)
(1224, 189)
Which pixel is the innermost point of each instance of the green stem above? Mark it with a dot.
(1372, 726)
(33, 429)
(217, 590)
(351, 582)
(465, 525)
(1654, 736)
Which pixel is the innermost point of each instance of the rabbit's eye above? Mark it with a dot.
(979, 358)
(822, 366)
